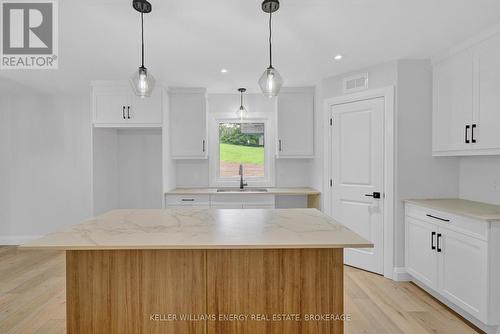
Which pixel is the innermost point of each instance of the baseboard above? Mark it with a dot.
(17, 239)
(401, 275)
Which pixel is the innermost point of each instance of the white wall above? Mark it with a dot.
(418, 173)
(480, 179)
(45, 162)
(289, 172)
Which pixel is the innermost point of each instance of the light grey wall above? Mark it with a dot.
(45, 158)
(418, 174)
(480, 179)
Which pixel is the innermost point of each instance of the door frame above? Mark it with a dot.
(389, 159)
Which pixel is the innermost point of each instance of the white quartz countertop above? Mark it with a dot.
(196, 228)
(476, 210)
(272, 191)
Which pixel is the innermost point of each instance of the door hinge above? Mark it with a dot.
(331, 183)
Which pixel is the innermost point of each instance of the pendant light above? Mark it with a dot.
(142, 81)
(242, 111)
(270, 82)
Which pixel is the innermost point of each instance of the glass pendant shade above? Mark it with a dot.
(242, 112)
(270, 82)
(142, 82)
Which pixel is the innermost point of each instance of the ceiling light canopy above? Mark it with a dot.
(142, 81)
(271, 81)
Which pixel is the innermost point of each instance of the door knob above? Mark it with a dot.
(375, 194)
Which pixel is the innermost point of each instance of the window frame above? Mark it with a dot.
(214, 158)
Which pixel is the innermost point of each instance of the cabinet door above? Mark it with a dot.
(421, 255)
(453, 102)
(146, 110)
(188, 126)
(296, 124)
(111, 108)
(463, 271)
(487, 113)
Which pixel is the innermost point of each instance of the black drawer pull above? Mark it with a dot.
(473, 139)
(438, 244)
(467, 127)
(187, 200)
(442, 219)
(433, 234)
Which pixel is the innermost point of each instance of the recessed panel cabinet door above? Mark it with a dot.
(453, 102)
(463, 271)
(111, 108)
(188, 125)
(296, 124)
(487, 114)
(146, 110)
(421, 255)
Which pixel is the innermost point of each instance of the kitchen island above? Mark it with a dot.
(205, 271)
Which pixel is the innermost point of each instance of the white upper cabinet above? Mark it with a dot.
(452, 84)
(487, 111)
(295, 119)
(466, 105)
(188, 123)
(115, 105)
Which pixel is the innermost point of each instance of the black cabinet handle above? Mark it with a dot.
(442, 219)
(375, 194)
(438, 245)
(128, 112)
(467, 127)
(187, 200)
(203, 145)
(433, 234)
(123, 112)
(473, 139)
(279, 145)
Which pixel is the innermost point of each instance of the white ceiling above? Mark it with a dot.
(189, 41)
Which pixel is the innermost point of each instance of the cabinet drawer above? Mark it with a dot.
(187, 200)
(471, 227)
(264, 200)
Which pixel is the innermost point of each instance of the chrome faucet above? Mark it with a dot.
(242, 184)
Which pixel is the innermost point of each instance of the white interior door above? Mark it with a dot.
(358, 176)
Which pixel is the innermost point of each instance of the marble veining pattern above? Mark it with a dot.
(186, 228)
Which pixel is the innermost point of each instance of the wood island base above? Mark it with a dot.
(205, 291)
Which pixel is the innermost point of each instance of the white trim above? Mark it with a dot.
(389, 160)
(401, 275)
(269, 133)
(15, 240)
(491, 151)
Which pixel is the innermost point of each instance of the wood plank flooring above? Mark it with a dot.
(32, 299)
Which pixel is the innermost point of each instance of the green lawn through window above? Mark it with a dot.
(242, 154)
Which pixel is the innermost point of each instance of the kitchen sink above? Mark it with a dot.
(238, 190)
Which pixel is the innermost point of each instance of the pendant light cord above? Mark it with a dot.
(270, 39)
(241, 99)
(142, 37)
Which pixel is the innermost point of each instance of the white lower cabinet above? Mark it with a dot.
(463, 271)
(451, 256)
(421, 259)
(222, 201)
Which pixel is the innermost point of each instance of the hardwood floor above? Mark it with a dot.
(32, 299)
